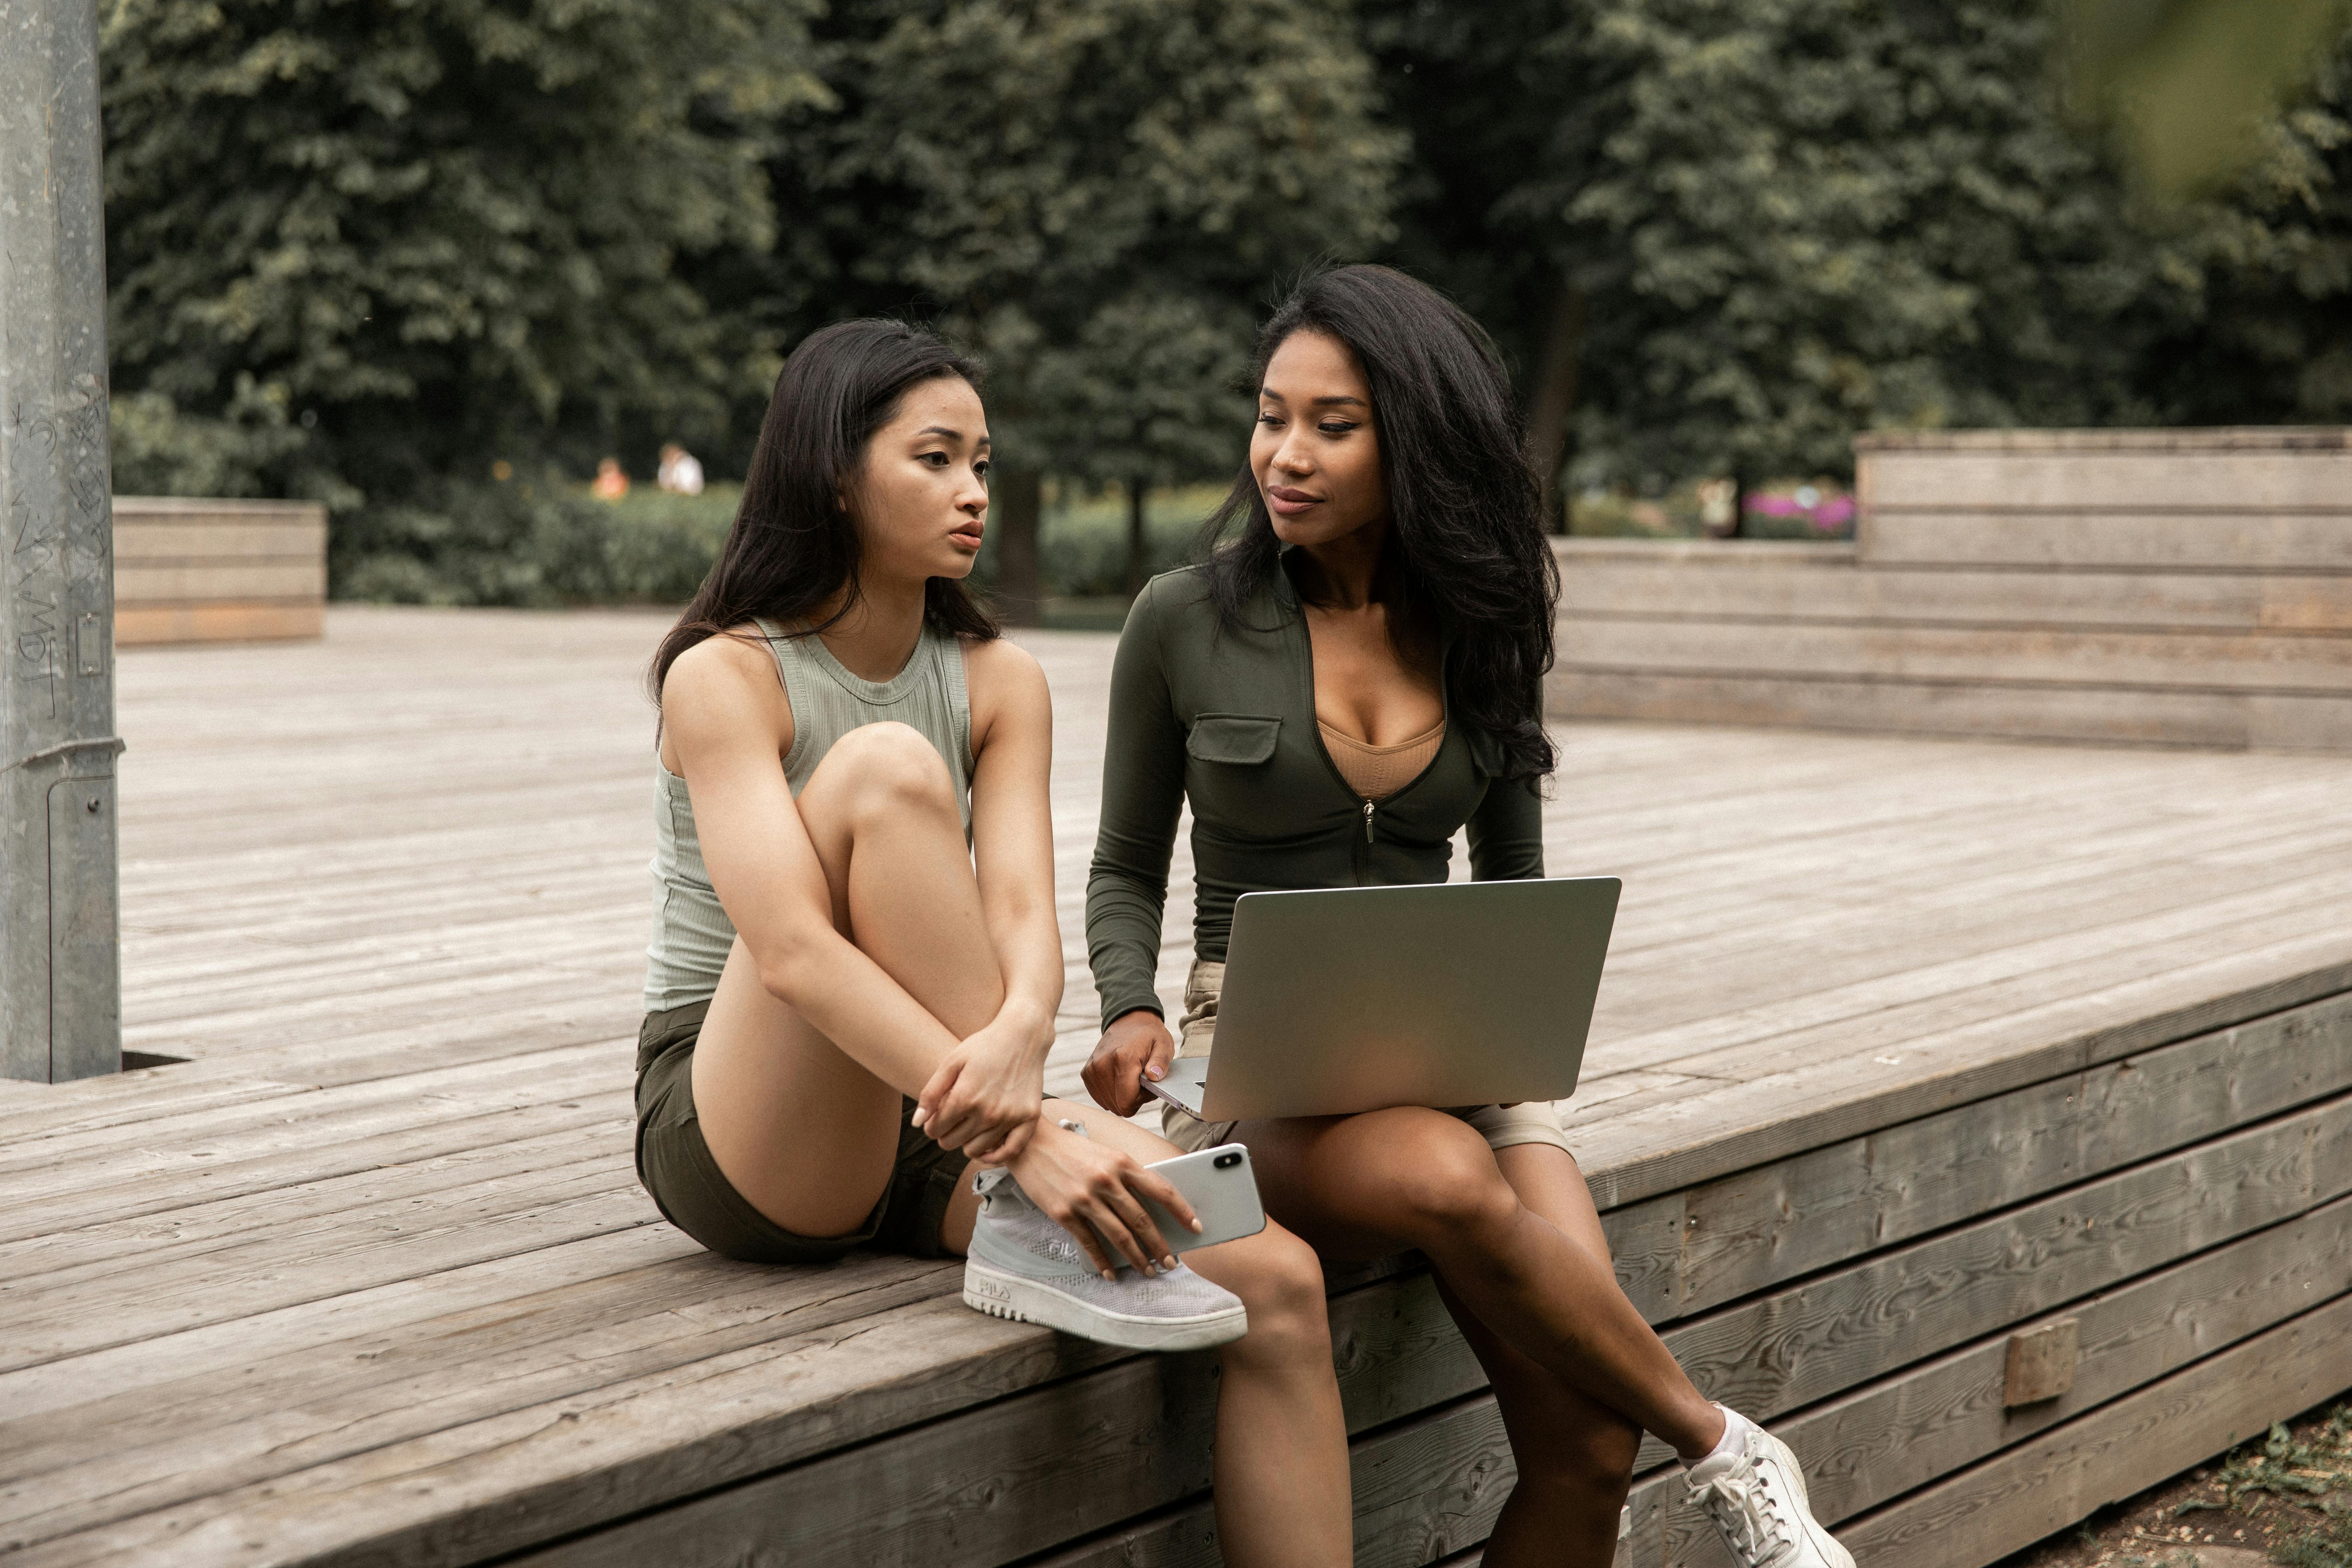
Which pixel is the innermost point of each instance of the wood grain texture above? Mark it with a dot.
(2314, 721)
(138, 625)
(2181, 479)
(2044, 1485)
(393, 1296)
(2014, 656)
(1945, 1415)
(1743, 1234)
(1680, 583)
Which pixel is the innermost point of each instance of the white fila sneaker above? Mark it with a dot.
(1020, 1265)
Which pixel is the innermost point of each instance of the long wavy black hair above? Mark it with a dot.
(1463, 503)
(794, 546)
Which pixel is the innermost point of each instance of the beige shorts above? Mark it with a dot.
(1530, 1122)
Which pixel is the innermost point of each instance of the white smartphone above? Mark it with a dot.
(1222, 1189)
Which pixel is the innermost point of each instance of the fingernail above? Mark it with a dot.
(1198, 1227)
(1156, 1070)
(1108, 1275)
(1169, 1261)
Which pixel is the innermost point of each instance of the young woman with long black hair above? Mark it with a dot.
(1339, 690)
(854, 963)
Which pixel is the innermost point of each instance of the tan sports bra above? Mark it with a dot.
(1377, 773)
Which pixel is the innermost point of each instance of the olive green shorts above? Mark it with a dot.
(686, 1184)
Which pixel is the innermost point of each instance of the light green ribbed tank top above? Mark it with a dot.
(691, 933)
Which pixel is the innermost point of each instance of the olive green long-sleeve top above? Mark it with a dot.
(1228, 717)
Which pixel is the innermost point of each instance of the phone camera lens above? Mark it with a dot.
(1226, 1161)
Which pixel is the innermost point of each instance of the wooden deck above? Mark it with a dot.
(1904, 1044)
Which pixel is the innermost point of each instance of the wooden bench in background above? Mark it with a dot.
(219, 571)
(2189, 587)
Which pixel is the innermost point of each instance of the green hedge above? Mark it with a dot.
(545, 541)
(534, 542)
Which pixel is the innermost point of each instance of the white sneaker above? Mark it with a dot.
(1023, 1265)
(1757, 1497)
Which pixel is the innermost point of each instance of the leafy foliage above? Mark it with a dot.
(1789, 220)
(1094, 195)
(359, 251)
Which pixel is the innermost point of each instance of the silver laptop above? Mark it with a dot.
(1357, 998)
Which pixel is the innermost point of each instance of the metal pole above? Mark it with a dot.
(60, 971)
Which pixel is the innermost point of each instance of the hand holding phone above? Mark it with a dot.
(1222, 1189)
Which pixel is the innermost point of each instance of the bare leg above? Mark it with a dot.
(1372, 1185)
(1575, 1456)
(1282, 1444)
(882, 813)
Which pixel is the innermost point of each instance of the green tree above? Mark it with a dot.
(1097, 196)
(359, 251)
(1739, 232)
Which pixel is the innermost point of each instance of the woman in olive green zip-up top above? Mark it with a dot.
(1229, 719)
(1338, 692)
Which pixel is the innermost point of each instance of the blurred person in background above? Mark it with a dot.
(679, 473)
(610, 483)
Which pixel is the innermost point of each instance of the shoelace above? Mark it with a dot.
(1749, 1514)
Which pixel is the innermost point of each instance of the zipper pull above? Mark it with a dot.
(1368, 822)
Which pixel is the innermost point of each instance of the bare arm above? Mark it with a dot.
(727, 724)
(1013, 851)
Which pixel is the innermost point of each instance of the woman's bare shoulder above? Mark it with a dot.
(1004, 680)
(724, 680)
(1000, 659)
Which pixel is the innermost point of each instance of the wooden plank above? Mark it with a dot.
(243, 1130)
(168, 507)
(1944, 1414)
(2228, 481)
(2240, 540)
(415, 1172)
(398, 1318)
(2041, 1487)
(1385, 1333)
(313, 1257)
(1748, 1232)
(1143, 1430)
(2301, 722)
(1697, 584)
(142, 624)
(1838, 1331)
(263, 579)
(219, 534)
(2162, 440)
(1438, 1484)
(2014, 656)
(201, 1429)
(1737, 1125)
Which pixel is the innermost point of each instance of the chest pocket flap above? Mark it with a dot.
(1243, 738)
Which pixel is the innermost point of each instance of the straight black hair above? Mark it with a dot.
(1463, 503)
(792, 545)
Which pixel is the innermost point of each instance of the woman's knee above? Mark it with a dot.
(1442, 1179)
(1280, 1280)
(893, 768)
(1591, 1452)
